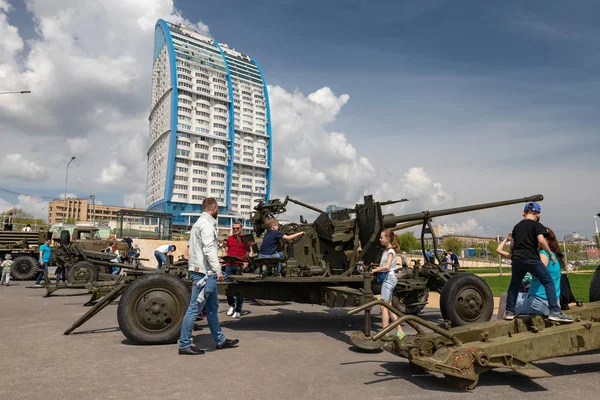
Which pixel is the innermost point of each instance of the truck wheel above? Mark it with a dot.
(595, 286)
(412, 297)
(82, 272)
(24, 268)
(152, 308)
(65, 238)
(466, 299)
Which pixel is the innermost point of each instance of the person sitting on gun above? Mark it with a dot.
(527, 238)
(268, 249)
(535, 301)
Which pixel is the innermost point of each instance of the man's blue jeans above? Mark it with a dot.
(537, 269)
(41, 274)
(234, 301)
(161, 258)
(211, 302)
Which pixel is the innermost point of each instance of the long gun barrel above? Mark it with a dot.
(390, 220)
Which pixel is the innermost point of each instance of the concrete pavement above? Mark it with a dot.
(292, 351)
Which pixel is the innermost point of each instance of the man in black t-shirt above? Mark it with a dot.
(527, 238)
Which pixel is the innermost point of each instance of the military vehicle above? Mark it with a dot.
(462, 353)
(24, 249)
(84, 255)
(319, 268)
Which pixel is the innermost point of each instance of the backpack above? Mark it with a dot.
(566, 295)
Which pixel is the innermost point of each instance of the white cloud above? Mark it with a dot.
(137, 200)
(89, 69)
(470, 227)
(69, 196)
(32, 205)
(113, 174)
(16, 166)
(78, 145)
(322, 167)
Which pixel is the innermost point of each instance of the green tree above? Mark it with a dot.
(408, 241)
(491, 248)
(454, 244)
(22, 218)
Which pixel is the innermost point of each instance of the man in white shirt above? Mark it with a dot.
(26, 229)
(161, 253)
(204, 262)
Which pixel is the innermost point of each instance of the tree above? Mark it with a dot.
(491, 247)
(408, 241)
(454, 244)
(22, 218)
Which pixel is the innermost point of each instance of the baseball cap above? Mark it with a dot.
(533, 206)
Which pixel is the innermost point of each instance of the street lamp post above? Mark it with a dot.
(66, 180)
(17, 92)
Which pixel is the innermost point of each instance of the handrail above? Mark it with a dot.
(389, 307)
(412, 320)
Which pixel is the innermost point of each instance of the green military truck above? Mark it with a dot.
(24, 249)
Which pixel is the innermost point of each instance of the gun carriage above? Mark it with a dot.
(319, 268)
(462, 353)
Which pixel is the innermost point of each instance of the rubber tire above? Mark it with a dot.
(26, 262)
(412, 310)
(451, 291)
(82, 264)
(65, 238)
(595, 286)
(136, 292)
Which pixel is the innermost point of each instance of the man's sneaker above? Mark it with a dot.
(509, 315)
(227, 344)
(37, 285)
(191, 351)
(560, 316)
(400, 335)
(230, 311)
(236, 314)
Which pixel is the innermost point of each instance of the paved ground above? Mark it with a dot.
(286, 352)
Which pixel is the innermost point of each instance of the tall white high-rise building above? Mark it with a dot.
(210, 128)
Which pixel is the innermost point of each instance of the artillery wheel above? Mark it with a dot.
(366, 343)
(152, 308)
(466, 299)
(409, 298)
(65, 237)
(595, 286)
(82, 272)
(263, 302)
(23, 268)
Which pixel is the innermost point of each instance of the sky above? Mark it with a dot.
(446, 103)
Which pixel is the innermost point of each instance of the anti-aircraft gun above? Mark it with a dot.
(319, 268)
(335, 242)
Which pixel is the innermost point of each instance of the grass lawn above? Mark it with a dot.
(506, 269)
(580, 285)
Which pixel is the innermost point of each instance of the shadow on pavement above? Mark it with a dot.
(332, 322)
(93, 331)
(403, 370)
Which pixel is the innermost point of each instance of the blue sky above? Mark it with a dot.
(479, 93)
(493, 99)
